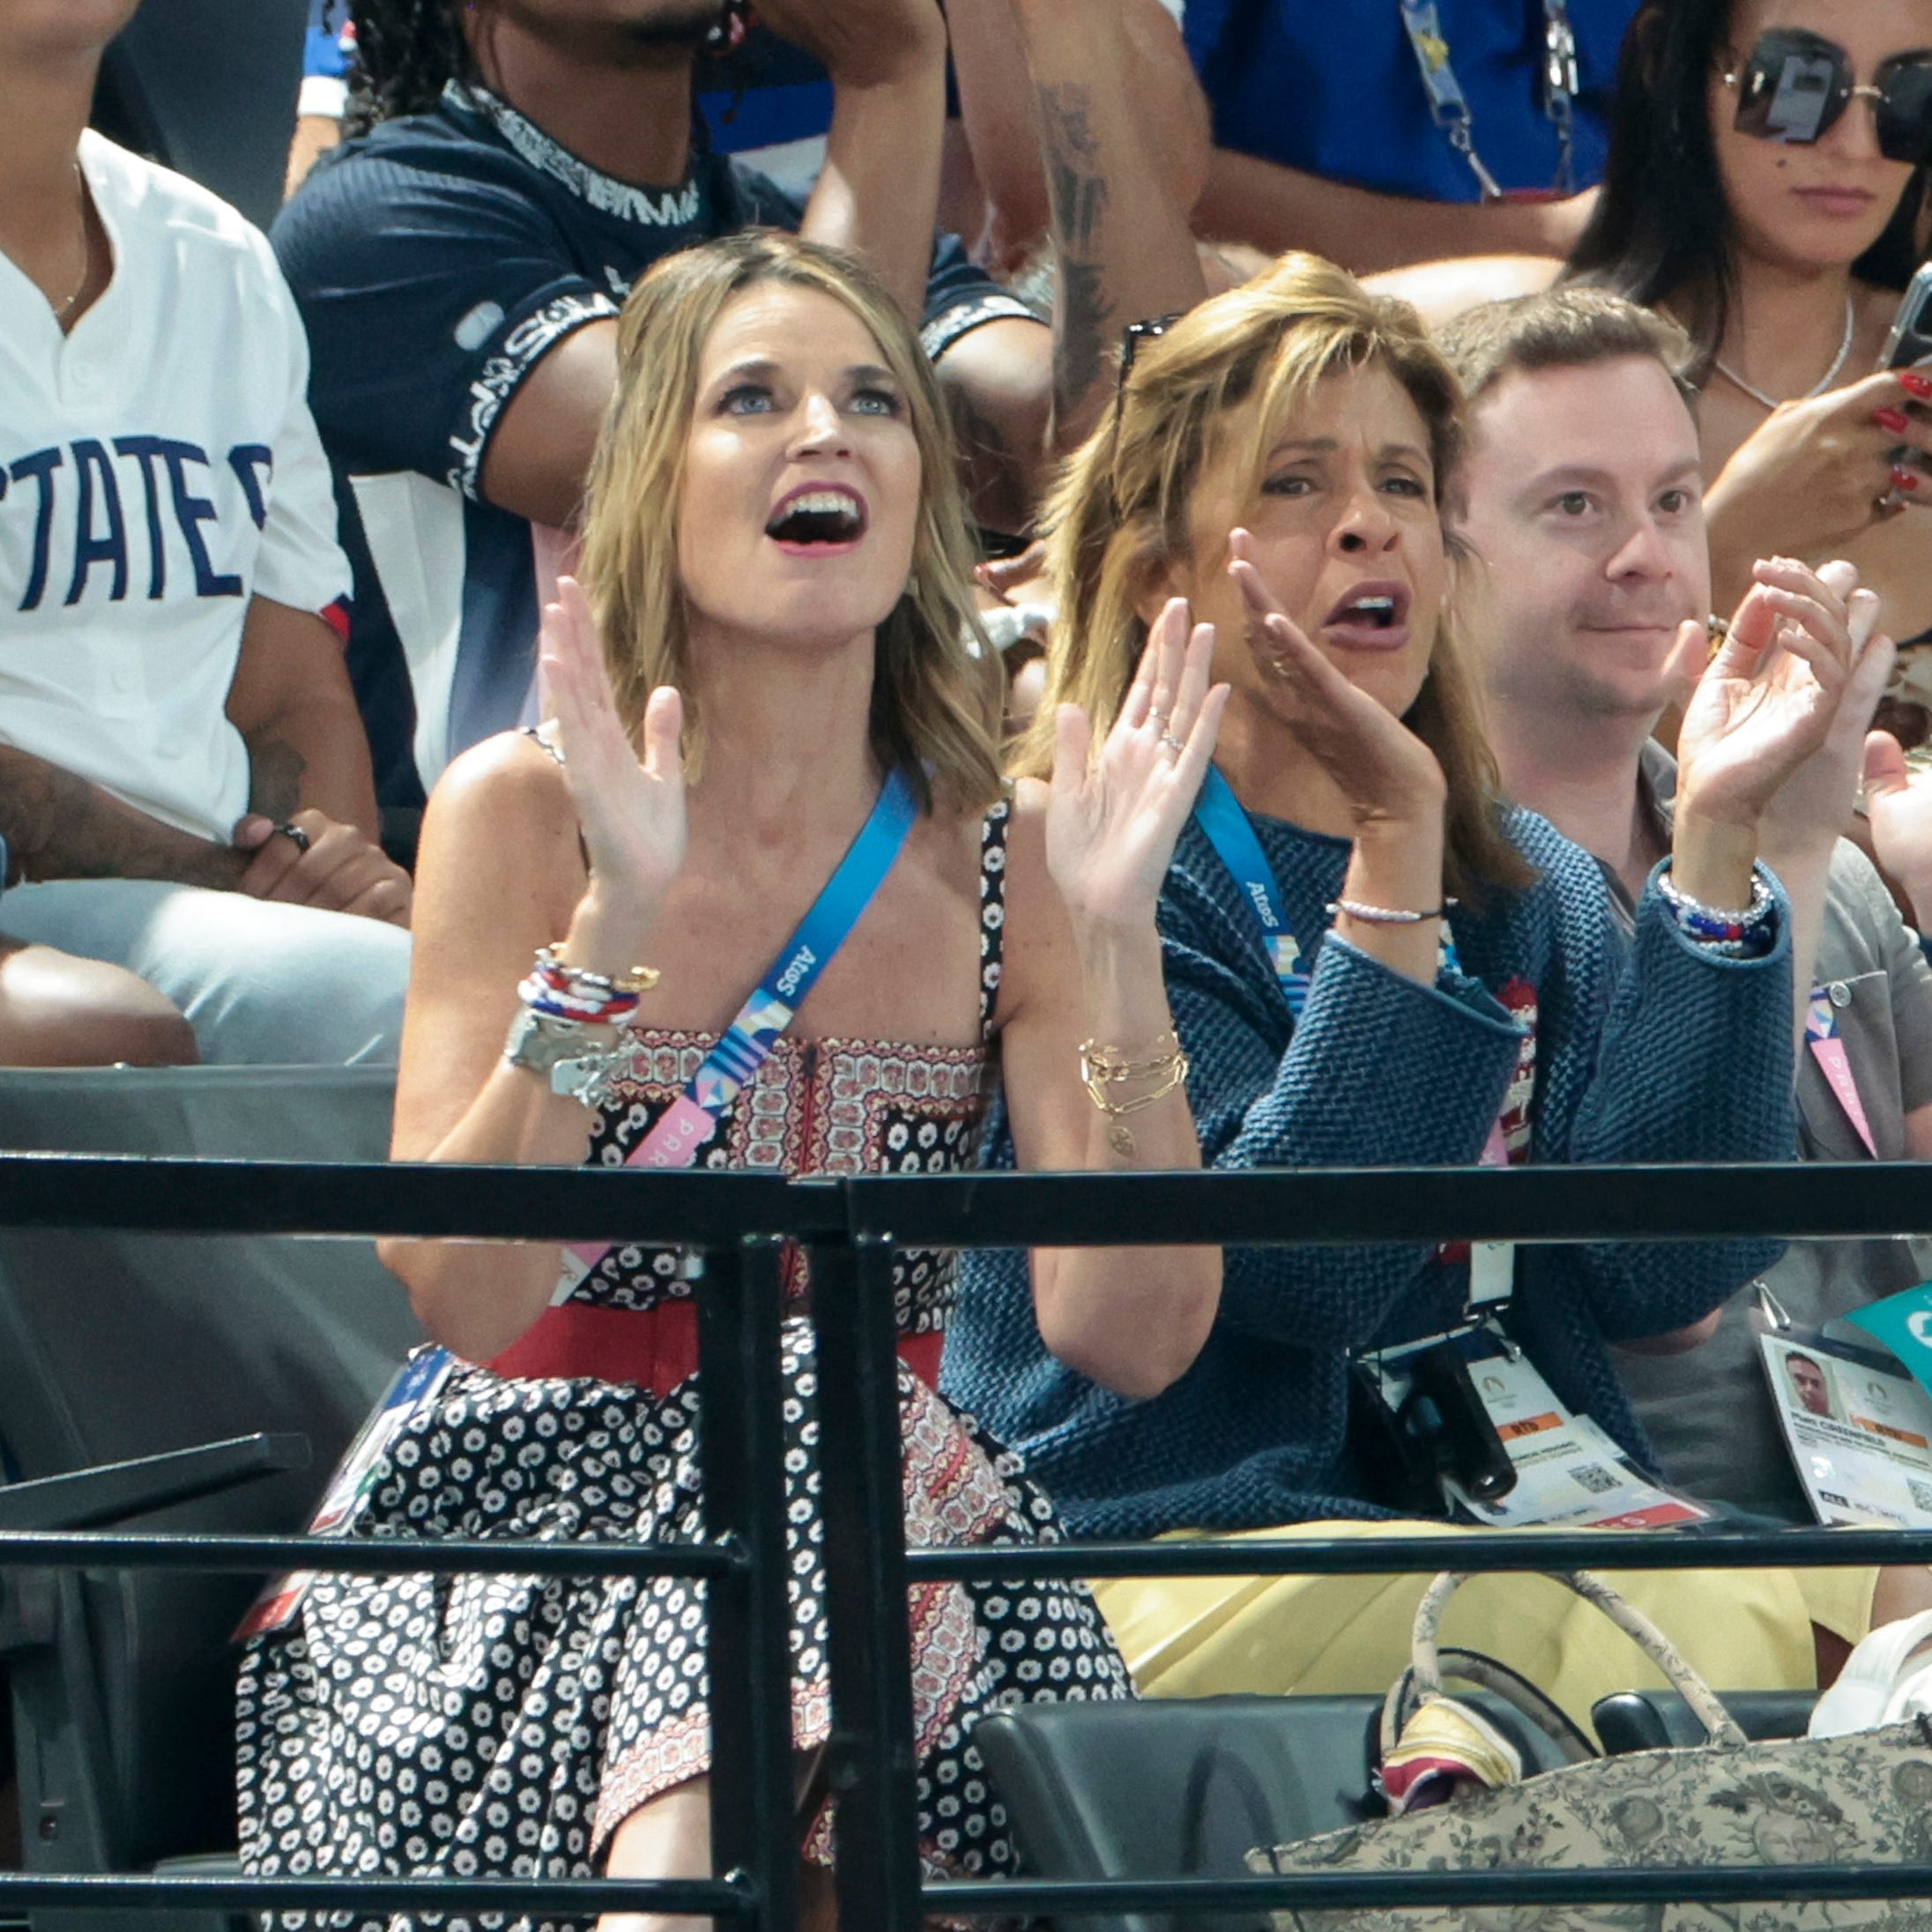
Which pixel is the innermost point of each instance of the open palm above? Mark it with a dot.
(1768, 700)
(631, 811)
(1111, 821)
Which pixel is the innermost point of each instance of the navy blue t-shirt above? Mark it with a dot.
(436, 260)
(1338, 94)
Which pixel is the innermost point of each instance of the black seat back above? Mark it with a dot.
(118, 1346)
(1186, 1788)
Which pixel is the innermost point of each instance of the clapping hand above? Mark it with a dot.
(631, 811)
(1384, 771)
(1111, 821)
(1813, 808)
(1768, 699)
(1899, 805)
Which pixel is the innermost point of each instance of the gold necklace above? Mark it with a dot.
(62, 310)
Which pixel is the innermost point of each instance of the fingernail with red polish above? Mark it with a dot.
(1915, 383)
(1905, 479)
(1894, 419)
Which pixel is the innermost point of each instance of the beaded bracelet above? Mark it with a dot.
(1747, 933)
(576, 995)
(1370, 914)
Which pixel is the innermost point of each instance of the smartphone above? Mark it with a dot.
(1910, 339)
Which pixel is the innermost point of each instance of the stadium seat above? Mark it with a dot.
(1179, 1788)
(1635, 1720)
(208, 88)
(119, 1346)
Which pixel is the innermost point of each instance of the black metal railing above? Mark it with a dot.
(852, 1230)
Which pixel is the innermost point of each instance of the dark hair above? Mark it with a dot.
(1661, 231)
(406, 52)
(1567, 328)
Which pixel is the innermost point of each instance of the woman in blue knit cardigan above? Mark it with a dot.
(1279, 456)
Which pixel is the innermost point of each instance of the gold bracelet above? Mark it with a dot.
(1104, 1068)
(639, 979)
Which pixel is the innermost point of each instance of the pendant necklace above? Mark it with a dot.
(1818, 388)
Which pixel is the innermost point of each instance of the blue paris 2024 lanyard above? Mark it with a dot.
(1231, 833)
(747, 1044)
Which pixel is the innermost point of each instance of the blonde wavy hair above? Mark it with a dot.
(935, 704)
(1220, 386)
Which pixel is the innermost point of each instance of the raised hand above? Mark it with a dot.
(1768, 699)
(1111, 820)
(860, 42)
(1898, 804)
(1813, 808)
(630, 810)
(1384, 771)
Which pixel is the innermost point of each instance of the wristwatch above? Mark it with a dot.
(561, 1051)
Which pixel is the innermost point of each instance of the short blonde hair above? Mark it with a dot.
(1233, 371)
(935, 704)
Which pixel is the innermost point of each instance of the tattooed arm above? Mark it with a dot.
(291, 702)
(1120, 218)
(308, 767)
(59, 825)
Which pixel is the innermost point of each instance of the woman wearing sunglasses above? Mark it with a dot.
(1765, 184)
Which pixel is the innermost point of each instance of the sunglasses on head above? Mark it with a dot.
(1792, 86)
(1131, 339)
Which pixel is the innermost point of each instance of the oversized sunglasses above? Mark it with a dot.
(1794, 85)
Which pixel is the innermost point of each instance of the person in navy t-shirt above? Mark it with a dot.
(460, 265)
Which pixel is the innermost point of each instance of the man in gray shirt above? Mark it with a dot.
(1583, 502)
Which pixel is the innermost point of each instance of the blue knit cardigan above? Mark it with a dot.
(1653, 1049)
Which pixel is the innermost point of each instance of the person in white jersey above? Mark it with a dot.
(184, 782)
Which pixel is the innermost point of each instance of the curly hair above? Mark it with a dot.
(406, 52)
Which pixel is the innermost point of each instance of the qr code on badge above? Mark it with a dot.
(1921, 1493)
(1593, 1477)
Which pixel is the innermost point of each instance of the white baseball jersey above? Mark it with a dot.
(158, 468)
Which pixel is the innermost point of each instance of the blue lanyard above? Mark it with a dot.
(1450, 107)
(1231, 832)
(747, 1044)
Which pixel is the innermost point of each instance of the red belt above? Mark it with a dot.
(655, 1349)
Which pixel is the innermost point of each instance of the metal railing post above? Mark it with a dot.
(873, 1771)
(747, 1615)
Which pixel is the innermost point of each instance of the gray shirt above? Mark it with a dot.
(1707, 1412)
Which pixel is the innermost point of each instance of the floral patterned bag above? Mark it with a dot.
(1861, 1800)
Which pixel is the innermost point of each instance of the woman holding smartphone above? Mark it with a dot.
(1766, 185)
